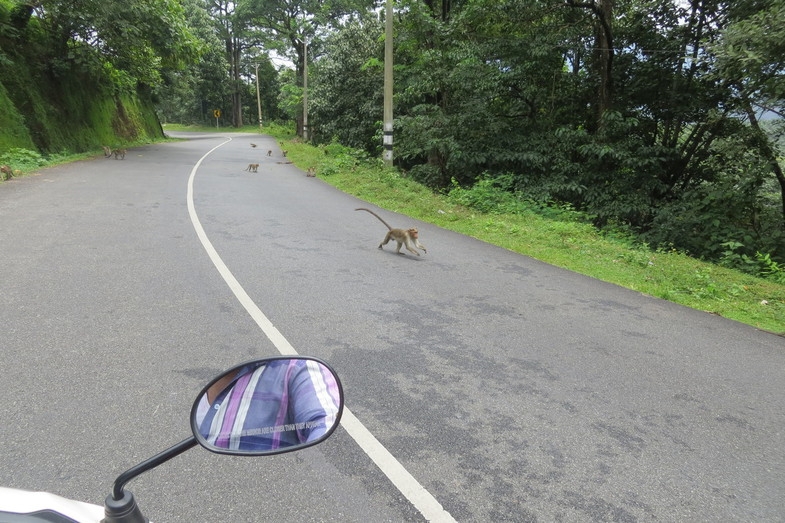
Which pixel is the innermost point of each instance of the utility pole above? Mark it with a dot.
(305, 91)
(258, 98)
(387, 154)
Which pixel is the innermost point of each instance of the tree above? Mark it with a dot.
(291, 26)
(190, 94)
(477, 88)
(231, 27)
(751, 57)
(139, 38)
(346, 100)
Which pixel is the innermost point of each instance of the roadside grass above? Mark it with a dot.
(24, 162)
(557, 238)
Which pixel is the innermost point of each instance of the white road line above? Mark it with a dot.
(422, 500)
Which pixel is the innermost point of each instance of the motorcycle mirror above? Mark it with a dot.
(268, 406)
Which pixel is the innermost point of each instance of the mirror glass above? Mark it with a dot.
(268, 406)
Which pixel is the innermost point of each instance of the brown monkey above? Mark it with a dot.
(311, 172)
(284, 153)
(119, 154)
(252, 167)
(107, 151)
(5, 172)
(408, 237)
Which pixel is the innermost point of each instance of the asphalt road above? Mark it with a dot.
(508, 390)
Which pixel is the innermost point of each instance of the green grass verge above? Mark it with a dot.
(24, 162)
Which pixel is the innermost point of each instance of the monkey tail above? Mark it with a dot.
(377, 216)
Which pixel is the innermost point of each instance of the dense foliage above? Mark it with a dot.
(242, 40)
(75, 75)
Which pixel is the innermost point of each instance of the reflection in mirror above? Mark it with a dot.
(268, 406)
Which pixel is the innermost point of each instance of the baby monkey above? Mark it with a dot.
(407, 237)
(252, 167)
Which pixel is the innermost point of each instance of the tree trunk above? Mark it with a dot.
(603, 12)
(605, 50)
(237, 98)
(299, 68)
(768, 153)
(233, 57)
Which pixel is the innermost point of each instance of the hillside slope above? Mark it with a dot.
(73, 105)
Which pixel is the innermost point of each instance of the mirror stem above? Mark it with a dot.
(128, 475)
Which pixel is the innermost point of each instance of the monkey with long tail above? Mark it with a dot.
(407, 237)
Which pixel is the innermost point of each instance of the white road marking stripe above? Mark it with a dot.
(422, 500)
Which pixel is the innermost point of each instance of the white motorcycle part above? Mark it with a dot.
(24, 502)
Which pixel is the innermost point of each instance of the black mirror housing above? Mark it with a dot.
(268, 406)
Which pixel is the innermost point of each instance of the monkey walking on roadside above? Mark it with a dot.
(269, 152)
(407, 237)
(119, 154)
(311, 172)
(252, 167)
